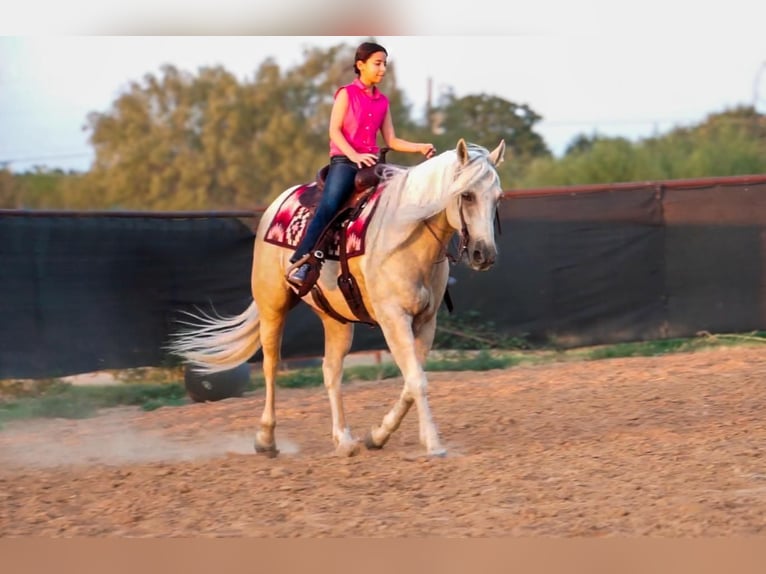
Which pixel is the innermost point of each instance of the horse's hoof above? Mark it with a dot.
(370, 444)
(438, 453)
(349, 449)
(267, 451)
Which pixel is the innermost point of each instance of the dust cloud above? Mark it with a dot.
(65, 442)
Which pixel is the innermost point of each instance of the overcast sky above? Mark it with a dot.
(635, 81)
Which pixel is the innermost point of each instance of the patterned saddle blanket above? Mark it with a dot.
(291, 220)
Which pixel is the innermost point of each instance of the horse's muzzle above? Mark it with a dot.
(482, 256)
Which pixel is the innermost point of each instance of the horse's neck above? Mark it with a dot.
(422, 241)
(432, 236)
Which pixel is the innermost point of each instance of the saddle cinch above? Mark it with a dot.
(365, 183)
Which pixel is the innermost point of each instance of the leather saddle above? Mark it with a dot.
(367, 178)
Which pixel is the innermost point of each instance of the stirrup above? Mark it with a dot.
(312, 274)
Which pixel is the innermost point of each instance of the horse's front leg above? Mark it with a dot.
(338, 338)
(424, 339)
(409, 351)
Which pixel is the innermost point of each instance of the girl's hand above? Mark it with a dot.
(365, 159)
(427, 150)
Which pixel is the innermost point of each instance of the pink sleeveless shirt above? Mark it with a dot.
(364, 118)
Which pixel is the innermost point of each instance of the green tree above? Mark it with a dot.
(39, 188)
(485, 120)
(581, 143)
(732, 142)
(9, 198)
(602, 160)
(173, 141)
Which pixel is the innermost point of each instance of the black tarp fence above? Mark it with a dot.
(81, 292)
(629, 262)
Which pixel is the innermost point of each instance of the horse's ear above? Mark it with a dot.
(498, 153)
(462, 152)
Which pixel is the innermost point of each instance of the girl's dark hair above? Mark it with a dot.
(364, 51)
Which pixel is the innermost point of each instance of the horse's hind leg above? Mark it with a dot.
(272, 327)
(338, 338)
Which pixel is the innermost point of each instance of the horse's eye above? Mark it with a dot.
(467, 196)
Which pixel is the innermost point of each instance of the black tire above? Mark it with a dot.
(217, 386)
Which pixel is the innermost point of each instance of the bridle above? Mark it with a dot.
(462, 246)
(465, 237)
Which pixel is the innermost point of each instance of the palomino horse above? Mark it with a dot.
(402, 276)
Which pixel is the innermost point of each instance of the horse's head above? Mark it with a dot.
(472, 210)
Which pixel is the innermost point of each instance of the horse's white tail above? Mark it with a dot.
(213, 344)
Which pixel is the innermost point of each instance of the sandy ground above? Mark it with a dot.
(664, 447)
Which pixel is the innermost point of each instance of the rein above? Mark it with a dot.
(445, 254)
(462, 247)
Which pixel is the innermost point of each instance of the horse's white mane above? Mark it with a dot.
(418, 192)
(413, 194)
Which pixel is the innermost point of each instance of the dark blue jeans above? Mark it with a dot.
(338, 185)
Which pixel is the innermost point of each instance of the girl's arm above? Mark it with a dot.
(399, 144)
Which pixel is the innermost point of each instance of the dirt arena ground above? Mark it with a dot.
(662, 447)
